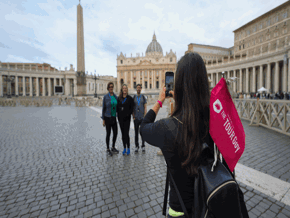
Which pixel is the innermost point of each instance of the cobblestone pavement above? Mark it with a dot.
(53, 164)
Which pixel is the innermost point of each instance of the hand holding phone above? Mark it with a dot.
(169, 83)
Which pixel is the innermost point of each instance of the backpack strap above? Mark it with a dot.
(169, 176)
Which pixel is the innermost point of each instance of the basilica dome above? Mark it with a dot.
(154, 46)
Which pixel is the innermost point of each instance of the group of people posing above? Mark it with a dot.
(122, 107)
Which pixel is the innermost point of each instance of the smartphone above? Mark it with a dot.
(169, 83)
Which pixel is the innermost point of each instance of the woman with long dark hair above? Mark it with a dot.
(125, 110)
(109, 114)
(181, 135)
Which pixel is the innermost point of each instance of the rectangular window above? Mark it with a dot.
(285, 15)
(248, 32)
(268, 22)
(157, 84)
(261, 26)
(277, 18)
(134, 85)
(145, 84)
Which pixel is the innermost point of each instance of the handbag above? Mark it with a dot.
(216, 192)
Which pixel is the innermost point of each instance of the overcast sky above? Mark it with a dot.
(45, 30)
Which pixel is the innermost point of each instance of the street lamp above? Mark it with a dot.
(223, 73)
(95, 78)
(9, 80)
(72, 89)
(64, 83)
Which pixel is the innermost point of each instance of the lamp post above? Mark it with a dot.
(95, 78)
(72, 89)
(223, 73)
(64, 83)
(9, 80)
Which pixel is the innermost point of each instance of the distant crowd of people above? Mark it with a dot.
(278, 95)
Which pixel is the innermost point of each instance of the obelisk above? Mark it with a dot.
(81, 76)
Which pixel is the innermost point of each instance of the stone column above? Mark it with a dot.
(43, 86)
(284, 77)
(268, 77)
(16, 88)
(37, 86)
(261, 77)
(132, 81)
(247, 80)
(1, 84)
(126, 80)
(216, 78)
(254, 80)
(143, 80)
(54, 83)
(49, 86)
(24, 93)
(153, 79)
(75, 86)
(276, 84)
(66, 91)
(235, 83)
(241, 80)
(159, 75)
(288, 75)
(31, 88)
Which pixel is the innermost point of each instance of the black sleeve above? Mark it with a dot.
(104, 109)
(153, 132)
(131, 106)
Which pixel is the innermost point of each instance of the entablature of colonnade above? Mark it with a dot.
(28, 73)
(147, 64)
(251, 62)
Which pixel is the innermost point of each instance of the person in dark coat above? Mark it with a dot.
(125, 109)
(180, 136)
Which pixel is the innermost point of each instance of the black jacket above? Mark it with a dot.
(128, 107)
(159, 135)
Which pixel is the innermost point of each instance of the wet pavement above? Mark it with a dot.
(54, 164)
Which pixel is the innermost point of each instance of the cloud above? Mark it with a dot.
(45, 31)
(3, 45)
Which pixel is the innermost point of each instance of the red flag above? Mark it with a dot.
(225, 126)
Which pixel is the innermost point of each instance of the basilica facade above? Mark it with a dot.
(148, 70)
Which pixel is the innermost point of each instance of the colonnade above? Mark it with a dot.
(38, 86)
(155, 75)
(274, 76)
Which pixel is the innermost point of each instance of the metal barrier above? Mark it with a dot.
(272, 114)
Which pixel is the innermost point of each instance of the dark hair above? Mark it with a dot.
(191, 97)
(121, 91)
(139, 85)
(109, 85)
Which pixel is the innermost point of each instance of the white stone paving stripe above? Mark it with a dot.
(268, 185)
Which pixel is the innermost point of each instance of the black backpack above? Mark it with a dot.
(216, 192)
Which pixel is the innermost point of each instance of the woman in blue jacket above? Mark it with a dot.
(109, 114)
